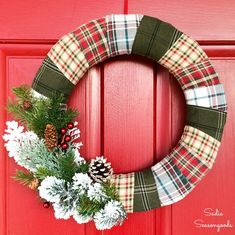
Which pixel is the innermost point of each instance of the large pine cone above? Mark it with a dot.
(51, 138)
(99, 170)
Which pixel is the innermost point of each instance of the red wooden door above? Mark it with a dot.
(131, 110)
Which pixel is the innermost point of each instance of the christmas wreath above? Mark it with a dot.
(49, 149)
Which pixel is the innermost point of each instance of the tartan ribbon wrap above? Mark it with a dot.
(174, 177)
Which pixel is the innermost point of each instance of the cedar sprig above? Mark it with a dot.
(64, 166)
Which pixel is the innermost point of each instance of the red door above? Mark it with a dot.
(131, 110)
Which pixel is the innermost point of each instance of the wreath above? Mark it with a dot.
(49, 149)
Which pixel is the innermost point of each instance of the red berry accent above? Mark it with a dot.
(64, 146)
(46, 204)
(70, 125)
(67, 138)
(63, 130)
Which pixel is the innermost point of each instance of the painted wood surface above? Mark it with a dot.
(131, 110)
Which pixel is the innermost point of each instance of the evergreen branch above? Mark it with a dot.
(42, 173)
(23, 177)
(42, 112)
(83, 168)
(89, 207)
(67, 167)
(22, 92)
(110, 190)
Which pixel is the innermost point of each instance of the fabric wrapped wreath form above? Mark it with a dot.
(171, 179)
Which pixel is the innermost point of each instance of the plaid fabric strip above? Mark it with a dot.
(197, 75)
(154, 37)
(184, 52)
(210, 121)
(121, 31)
(205, 146)
(188, 163)
(172, 185)
(209, 96)
(145, 192)
(69, 58)
(49, 80)
(92, 39)
(124, 184)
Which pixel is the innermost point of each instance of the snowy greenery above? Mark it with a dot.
(60, 176)
(64, 179)
(83, 200)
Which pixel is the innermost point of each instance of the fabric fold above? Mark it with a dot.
(121, 32)
(210, 121)
(49, 80)
(145, 192)
(154, 37)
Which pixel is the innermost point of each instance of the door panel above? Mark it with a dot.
(131, 110)
(204, 21)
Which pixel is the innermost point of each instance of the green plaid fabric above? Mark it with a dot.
(49, 80)
(184, 52)
(211, 121)
(154, 37)
(145, 192)
(69, 58)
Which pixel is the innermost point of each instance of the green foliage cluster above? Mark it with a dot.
(90, 207)
(42, 111)
(36, 158)
(23, 177)
(64, 166)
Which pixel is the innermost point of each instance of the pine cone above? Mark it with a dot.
(51, 138)
(99, 170)
(27, 104)
(34, 184)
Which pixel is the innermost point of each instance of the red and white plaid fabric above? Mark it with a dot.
(205, 146)
(188, 163)
(184, 52)
(92, 38)
(69, 58)
(125, 184)
(197, 75)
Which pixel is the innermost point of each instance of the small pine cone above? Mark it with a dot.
(34, 184)
(99, 170)
(27, 104)
(51, 138)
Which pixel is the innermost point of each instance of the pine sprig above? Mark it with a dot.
(89, 207)
(25, 178)
(22, 92)
(110, 190)
(83, 167)
(42, 173)
(42, 112)
(67, 167)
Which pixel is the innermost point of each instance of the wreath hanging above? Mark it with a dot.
(50, 152)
